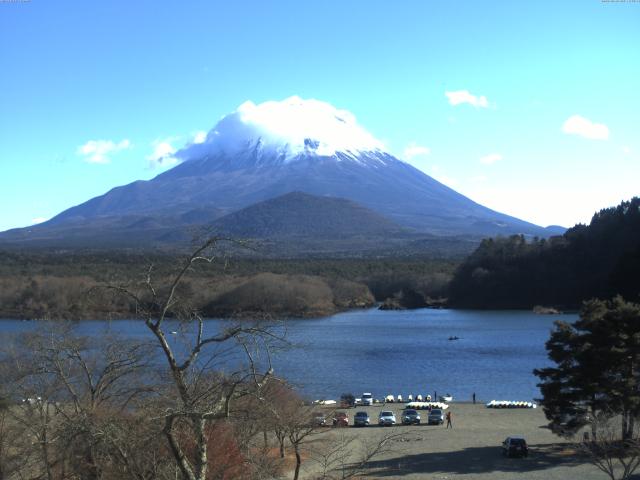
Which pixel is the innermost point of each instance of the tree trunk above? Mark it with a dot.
(201, 458)
(628, 425)
(45, 448)
(594, 429)
(626, 435)
(178, 454)
(298, 462)
(92, 470)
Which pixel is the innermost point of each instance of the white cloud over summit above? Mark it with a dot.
(294, 120)
(464, 96)
(414, 150)
(200, 137)
(163, 154)
(583, 127)
(289, 127)
(98, 151)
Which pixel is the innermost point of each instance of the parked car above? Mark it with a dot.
(361, 419)
(341, 420)
(386, 418)
(436, 417)
(515, 446)
(410, 417)
(319, 420)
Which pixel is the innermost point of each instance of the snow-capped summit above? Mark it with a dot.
(267, 151)
(285, 131)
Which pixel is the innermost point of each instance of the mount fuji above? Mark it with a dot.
(263, 152)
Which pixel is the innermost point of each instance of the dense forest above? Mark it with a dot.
(600, 260)
(57, 284)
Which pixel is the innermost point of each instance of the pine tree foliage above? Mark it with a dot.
(600, 260)
(597, 367)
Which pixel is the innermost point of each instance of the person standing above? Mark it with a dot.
(449, 423)
(474, 398)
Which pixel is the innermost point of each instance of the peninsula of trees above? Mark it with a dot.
(599, 260)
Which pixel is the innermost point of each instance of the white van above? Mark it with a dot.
(367, 398)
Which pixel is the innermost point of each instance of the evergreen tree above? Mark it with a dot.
(597, 367)
(599, 260)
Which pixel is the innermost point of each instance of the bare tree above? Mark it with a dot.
(70, 391)
(203, 391)
(278, 404)
(133, 447)
(289, 419)
(300, 427)
(348, 456)
(13, 445)
(101, 407)
(30, 413)
(606, 449)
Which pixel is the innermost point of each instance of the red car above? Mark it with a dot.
(341, 420)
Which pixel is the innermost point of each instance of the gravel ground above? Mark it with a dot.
(471, 450)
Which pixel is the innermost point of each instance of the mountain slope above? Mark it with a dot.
(260, 152)
(390, 187)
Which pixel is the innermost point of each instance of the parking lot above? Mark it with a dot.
(471, 449)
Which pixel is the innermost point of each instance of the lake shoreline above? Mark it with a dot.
(246, 316)
(386, 352)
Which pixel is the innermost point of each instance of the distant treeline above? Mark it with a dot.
(599, 260)
(58, 285)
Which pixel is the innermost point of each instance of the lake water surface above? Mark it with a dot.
(399, 352)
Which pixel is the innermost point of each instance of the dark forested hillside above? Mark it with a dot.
(299, 214)
(598, 260)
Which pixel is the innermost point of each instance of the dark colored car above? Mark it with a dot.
(515, 446)
(410, 417)
(361, 419)
(436, 417)
(341, 420)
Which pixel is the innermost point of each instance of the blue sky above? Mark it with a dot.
(90, 92)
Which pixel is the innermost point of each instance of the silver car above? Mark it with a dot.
(410, 417)
(361, 419)
(386, 418)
